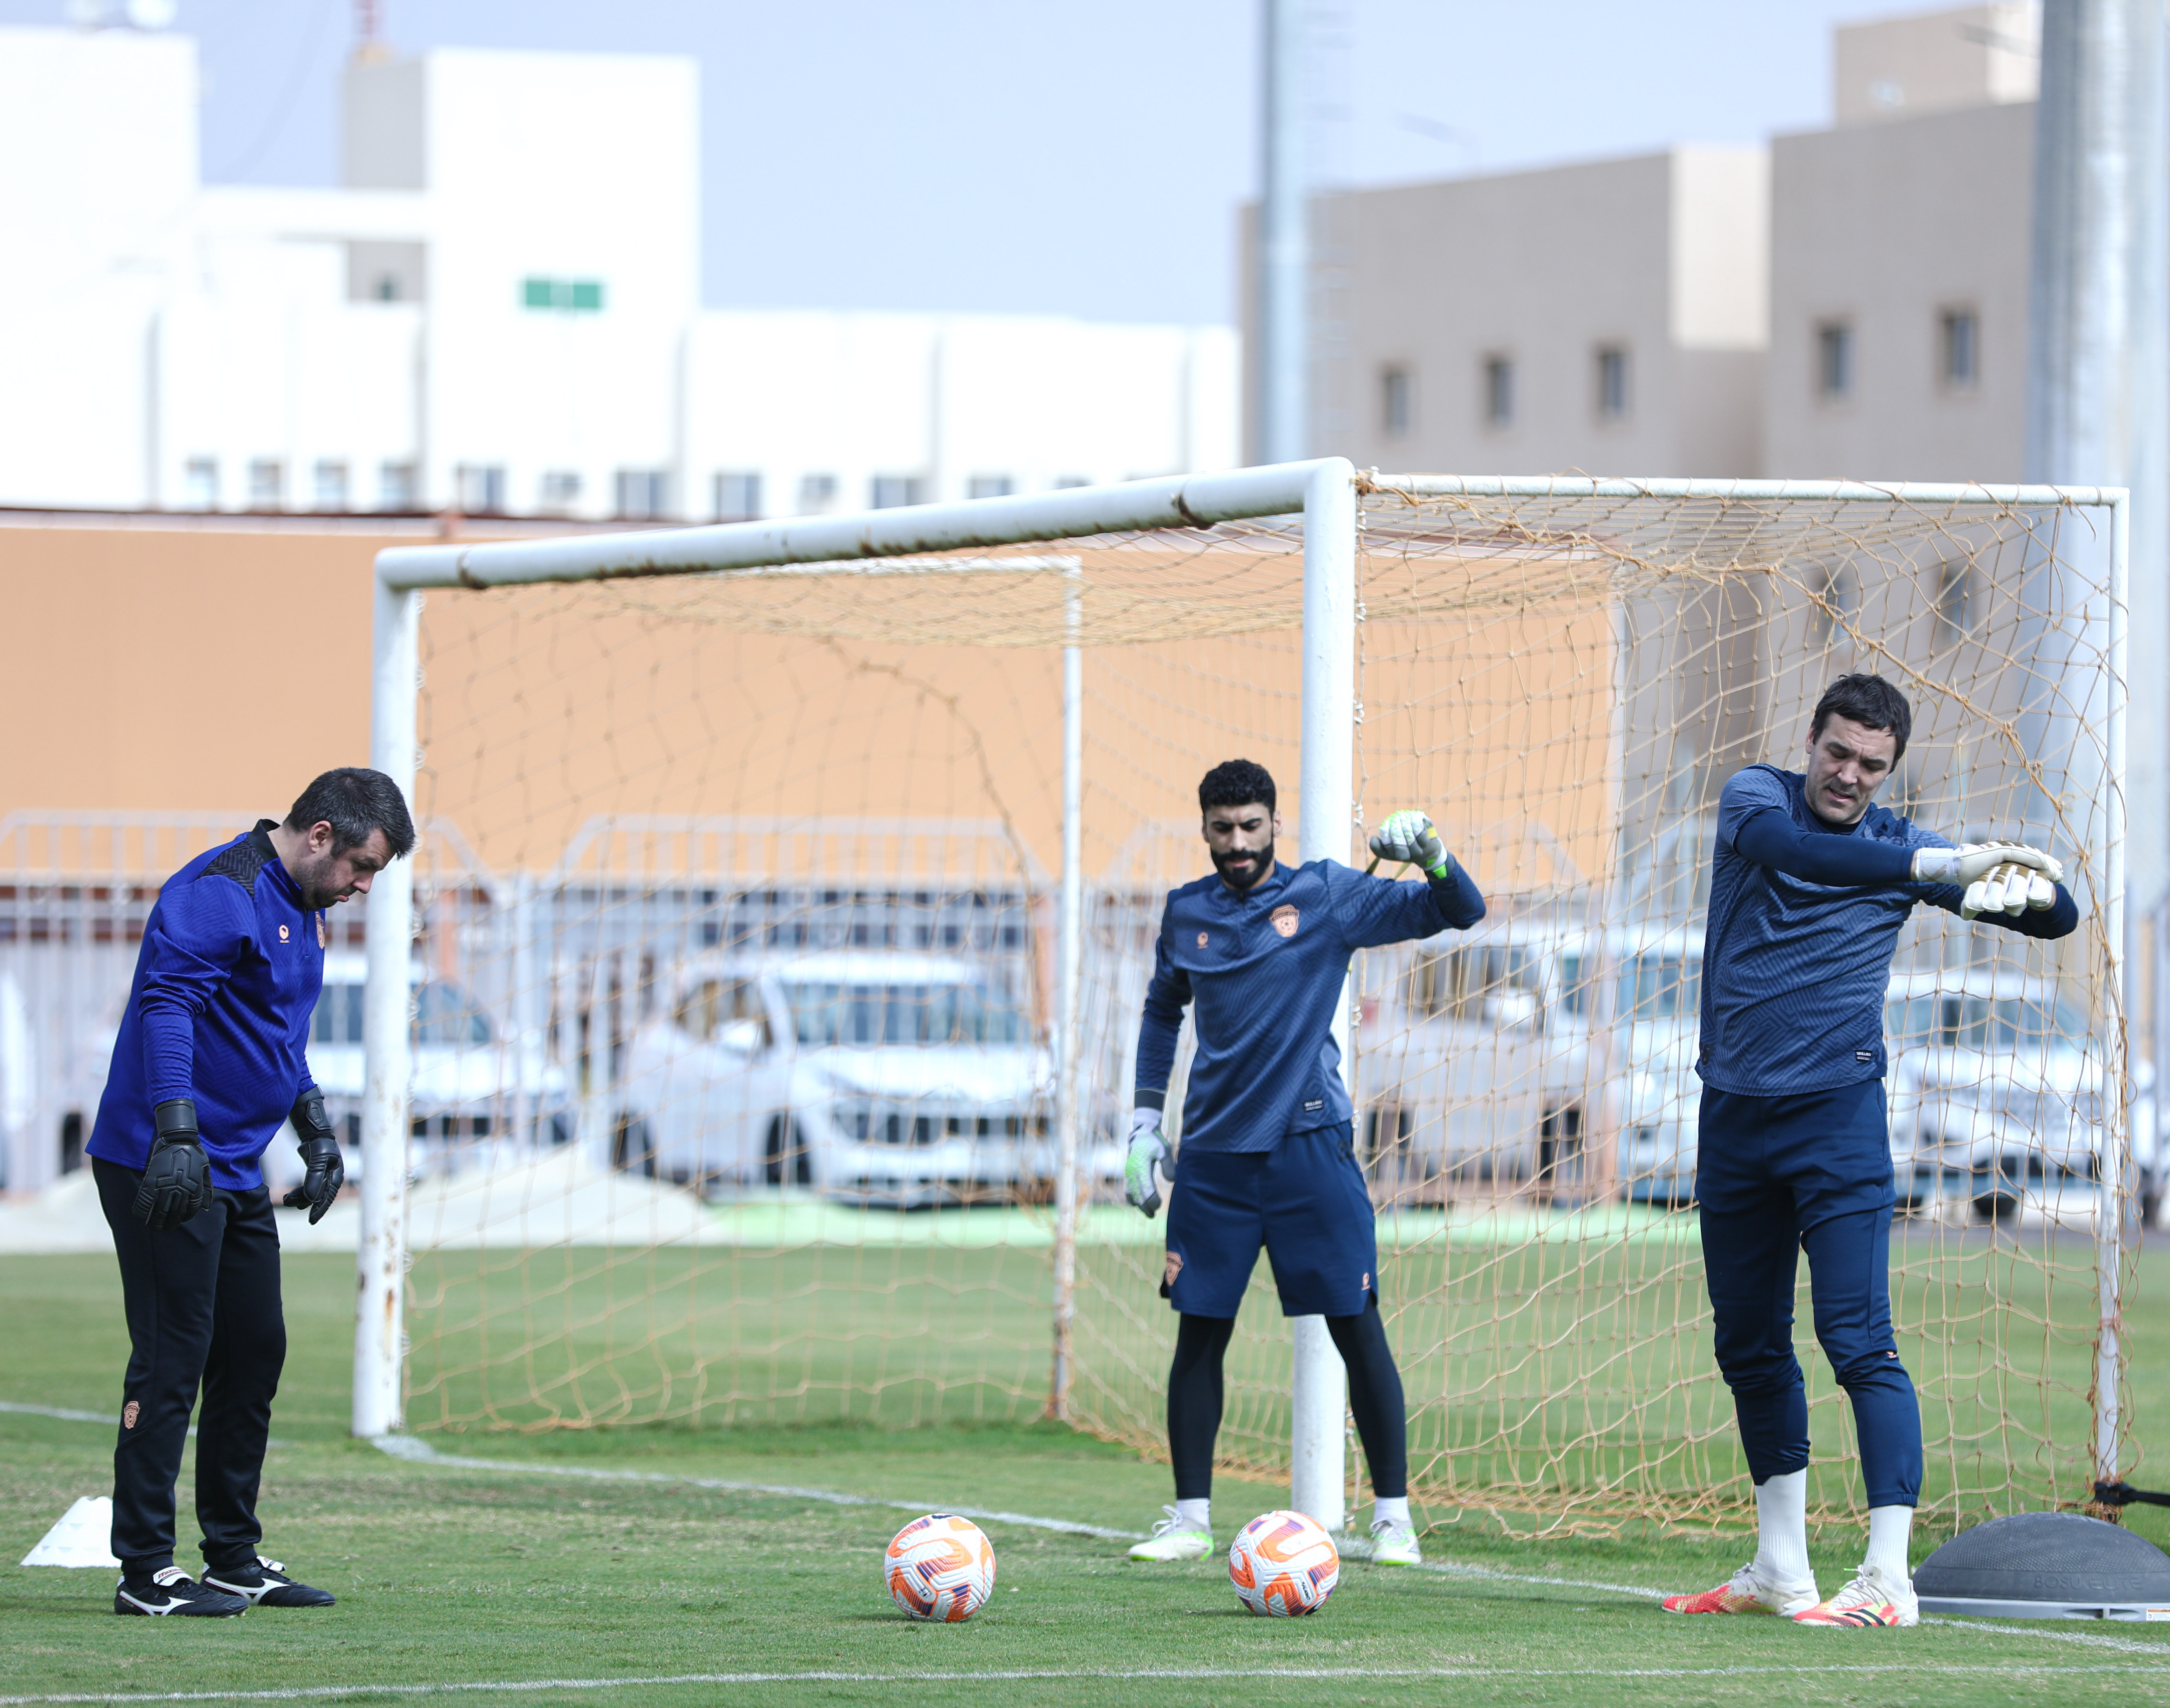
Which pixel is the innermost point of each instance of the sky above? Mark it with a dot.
(1083, 158)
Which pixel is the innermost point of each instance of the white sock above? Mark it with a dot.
(1393, 1512)
(1782, 1528)
(1891, 1529)
(1195, 1515)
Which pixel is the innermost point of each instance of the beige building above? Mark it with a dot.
(1849, 302)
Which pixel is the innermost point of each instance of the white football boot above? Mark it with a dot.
(1174, 1538)
(1394, 1544)
(1748, 1591)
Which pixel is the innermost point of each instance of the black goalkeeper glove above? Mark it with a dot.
(177, 1174)
(320, 1154)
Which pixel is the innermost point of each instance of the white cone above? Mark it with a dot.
(83, 1536)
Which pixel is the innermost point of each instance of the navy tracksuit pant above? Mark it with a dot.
(203, 1310)
(1775, 1176)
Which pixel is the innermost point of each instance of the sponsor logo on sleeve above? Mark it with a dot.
(1864, 1055)
(1284, 919)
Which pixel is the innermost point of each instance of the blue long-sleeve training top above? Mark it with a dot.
(1804, 918)
(1262, 973)
(219, 1011)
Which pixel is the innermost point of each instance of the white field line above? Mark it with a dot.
(419, 1452)
(319, 1693)
(64, 1414)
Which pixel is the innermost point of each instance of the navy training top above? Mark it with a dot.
(1804, 918)
(224, 984)
(1262, 973)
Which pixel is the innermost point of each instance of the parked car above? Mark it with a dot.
(475, 1091)
(1994, 1090)
(883, 1077)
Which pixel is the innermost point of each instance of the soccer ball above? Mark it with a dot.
(1283, 1564)
(940, 1567)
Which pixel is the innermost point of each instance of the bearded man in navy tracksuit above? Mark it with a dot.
(1259, 954)
(210, 1063)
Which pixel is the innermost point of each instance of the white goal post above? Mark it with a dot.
(1326, 493)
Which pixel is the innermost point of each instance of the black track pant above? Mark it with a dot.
(1375, 1397)
(203, 1309)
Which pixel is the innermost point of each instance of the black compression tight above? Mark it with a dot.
(1194, 1395)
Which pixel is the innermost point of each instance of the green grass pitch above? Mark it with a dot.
(451, 1578)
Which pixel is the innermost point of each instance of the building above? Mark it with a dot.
(499, 311)
(1849, 302)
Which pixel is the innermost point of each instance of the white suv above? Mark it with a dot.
(475, 1093)
(1995, 1091)
(884, 1076)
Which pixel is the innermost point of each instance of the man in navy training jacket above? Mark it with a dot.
(1260, 955)
(1811, 882)
(210, 1063)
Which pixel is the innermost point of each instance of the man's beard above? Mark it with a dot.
(316, 893)
(1247, 875)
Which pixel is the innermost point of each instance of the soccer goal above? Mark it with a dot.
(751, 1039)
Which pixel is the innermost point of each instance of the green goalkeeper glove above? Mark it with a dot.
(1409, 838)
(2001, 877)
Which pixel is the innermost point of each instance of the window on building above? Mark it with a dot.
(1612, 382)
(892, 490)
(329, 484)
(1960, 349)
(643, 494)
(736, 495)
(566, 296)
(990, 486)
(817, 494)
(560, 489)
(267, 482)
(200, 482)
(1063, 483)
(1835, 359)
(395, 486)
(481, 488)
(1499, 391)
(1395, 411)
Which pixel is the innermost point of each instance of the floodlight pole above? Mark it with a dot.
(1326, 814)
(381, 1257)
(1069, 975)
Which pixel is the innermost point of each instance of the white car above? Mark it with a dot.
(474, 1091)
(884, 1076)
(1994, 1090)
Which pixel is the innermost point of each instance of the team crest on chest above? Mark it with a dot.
(1284, 919)
(1201, 939)
(323, 937)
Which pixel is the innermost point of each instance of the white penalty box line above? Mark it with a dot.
(322, 1693)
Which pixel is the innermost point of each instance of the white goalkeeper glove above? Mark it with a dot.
(2001, 877)
(1148, 1152)
(1409, 838)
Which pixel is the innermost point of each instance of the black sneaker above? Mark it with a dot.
(171, 1590)
(265, 1583)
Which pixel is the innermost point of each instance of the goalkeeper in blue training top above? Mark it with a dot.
(1259, 954)
(1809, 884)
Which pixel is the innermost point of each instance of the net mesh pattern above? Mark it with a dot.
(735, 1083)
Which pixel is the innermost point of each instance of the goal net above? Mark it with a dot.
(739, 981)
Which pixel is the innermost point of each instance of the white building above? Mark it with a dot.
(499, 312)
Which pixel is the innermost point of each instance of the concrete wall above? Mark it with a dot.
(1883, 229)
(1661, 258)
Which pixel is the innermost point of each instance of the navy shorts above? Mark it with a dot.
(1304, 1201)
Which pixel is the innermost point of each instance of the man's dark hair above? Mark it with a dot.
(1869, 701)
(355, 802)
(1236, 783)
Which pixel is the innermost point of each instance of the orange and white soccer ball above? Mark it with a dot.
(1284, 1564)
(940, 1567)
